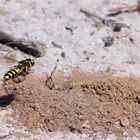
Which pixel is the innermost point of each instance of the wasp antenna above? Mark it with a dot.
(39, 56)
(34, 58)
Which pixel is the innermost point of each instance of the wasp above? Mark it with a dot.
(22, 69)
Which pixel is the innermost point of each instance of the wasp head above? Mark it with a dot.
(32, 62)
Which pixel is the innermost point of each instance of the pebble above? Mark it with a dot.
(125, 122)
(108, 41)
(86, 124)
(138, 98)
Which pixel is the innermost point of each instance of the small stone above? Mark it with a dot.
(63, 55)
(125, 134)
(125, 122)
(56, 87)
(108, 41)
(117, 27)
(138, 99)
(86, 124)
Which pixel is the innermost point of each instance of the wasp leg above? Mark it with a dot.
(26, 71)
(19, 79)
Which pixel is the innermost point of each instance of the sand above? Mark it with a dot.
(82, 101)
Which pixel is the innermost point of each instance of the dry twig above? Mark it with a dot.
(23, 45)
(92, 16)
(128, 9)
(116, 26)
(49, 81)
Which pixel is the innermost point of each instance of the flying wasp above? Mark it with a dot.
(22, 69)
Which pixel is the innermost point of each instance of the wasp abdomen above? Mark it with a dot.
(12, 73)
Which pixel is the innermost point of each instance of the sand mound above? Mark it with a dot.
(80, 101)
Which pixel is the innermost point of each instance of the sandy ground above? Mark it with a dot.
(82, 103)
(46, 21)
(77, 42)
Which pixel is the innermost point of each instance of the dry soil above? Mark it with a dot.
(78, 102)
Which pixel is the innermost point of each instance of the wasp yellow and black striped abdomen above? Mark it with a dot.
(12, 73)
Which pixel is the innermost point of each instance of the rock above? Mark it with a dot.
(138, 99)
(124, 122)
(86, 124)
(108, 41)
